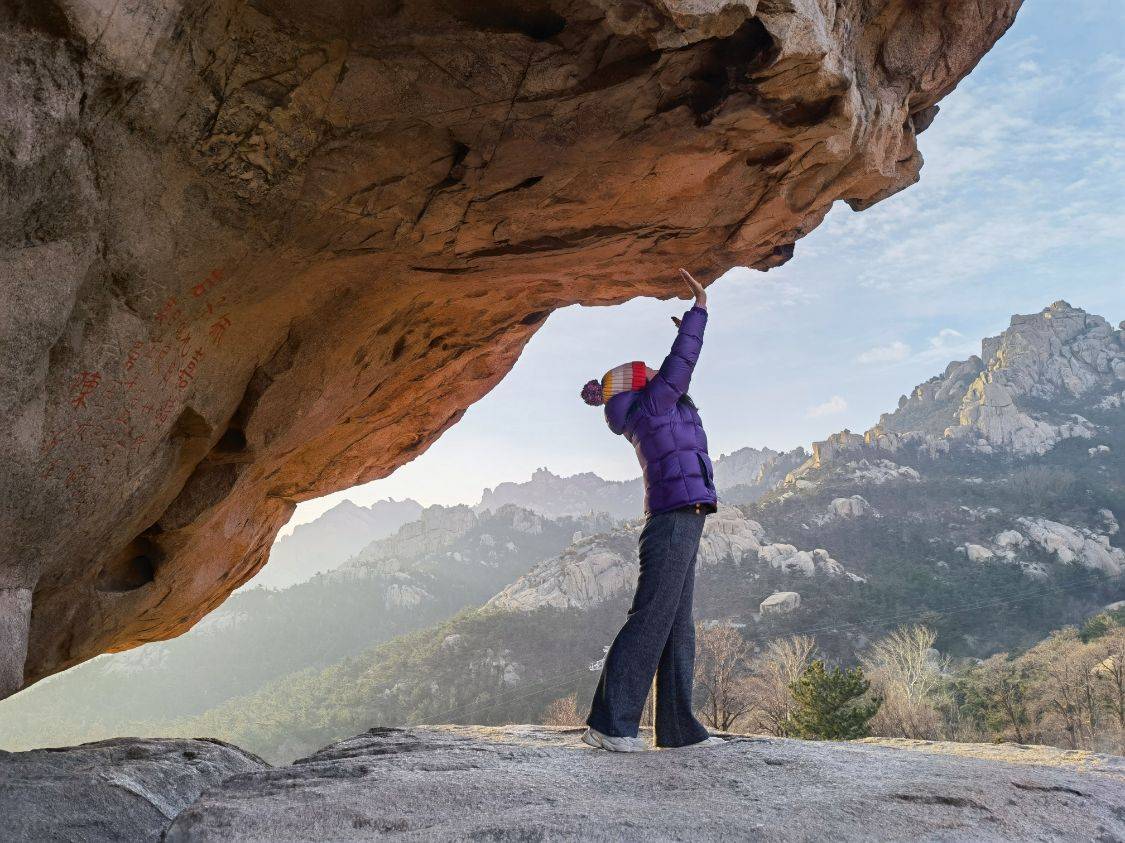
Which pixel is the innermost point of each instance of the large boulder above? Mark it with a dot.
(855, 506)
(535, 783)
(780, 603)
(256, 252)
(126, 789)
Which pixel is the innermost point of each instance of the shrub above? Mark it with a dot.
(830, 706)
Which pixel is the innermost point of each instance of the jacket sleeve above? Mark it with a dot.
(671, 382)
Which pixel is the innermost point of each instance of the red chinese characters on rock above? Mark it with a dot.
(188, 371)
(134, 355)
(85, 384)
(169, 312)
(218, 328)
(146, 391)
(207, 284)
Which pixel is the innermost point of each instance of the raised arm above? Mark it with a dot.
(672, 381)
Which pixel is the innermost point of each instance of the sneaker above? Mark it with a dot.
(711, 740)
(596, 739)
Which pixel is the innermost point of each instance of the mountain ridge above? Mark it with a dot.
(323, 543)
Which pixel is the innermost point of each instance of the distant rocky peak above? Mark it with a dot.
(1060, 351)
(1026, 392)
(519, 519)
(435, 528)
(554, 496)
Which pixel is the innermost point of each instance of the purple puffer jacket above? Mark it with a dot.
(665, 428)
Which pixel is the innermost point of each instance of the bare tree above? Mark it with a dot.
(783, 663)
(1109, 674)
(564, 712)
(722, 670)
(907, 656)
(1067, 694)
(906, 670)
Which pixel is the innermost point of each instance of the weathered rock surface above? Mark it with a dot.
(126, 789)
(253, 253)
(1077, 545)
(535, 783)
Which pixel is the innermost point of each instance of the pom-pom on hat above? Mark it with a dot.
(624, 378)
(592, 393)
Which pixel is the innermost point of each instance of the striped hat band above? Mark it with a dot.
(624, 378)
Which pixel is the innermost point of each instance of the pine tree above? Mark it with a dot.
(829, 706)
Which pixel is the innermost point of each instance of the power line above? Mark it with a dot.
(564, 678)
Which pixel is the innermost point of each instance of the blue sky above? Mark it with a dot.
(1021, 202)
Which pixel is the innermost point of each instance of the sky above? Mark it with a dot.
(1021, 203)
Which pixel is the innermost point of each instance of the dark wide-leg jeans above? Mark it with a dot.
(658, 638)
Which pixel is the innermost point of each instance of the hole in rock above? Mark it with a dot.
(233, 441)
(134, 567)
(536, 20)
(210, 482)
(769, 154)
(43, 15)
(728, 67)
(798, 114)
(191, 425)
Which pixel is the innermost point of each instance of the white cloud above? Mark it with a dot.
(833, 405)
(895, 351)
(1016, 174)
(949, 344)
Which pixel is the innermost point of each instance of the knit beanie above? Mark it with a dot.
(624, 378)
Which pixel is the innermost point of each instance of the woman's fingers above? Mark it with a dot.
(696, 288)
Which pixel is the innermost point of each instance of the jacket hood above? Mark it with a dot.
(617, 407)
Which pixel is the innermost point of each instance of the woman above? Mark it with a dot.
(653, 411)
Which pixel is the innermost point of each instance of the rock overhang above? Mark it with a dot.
(261, 252)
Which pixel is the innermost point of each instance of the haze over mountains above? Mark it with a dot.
(988, 503)
(322, 544)
(347, 529)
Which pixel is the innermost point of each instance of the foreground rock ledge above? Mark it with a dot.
(126, 789)
(256, 252)
(534, 783)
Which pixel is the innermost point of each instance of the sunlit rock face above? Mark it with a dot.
(255, 252)
(1018, 398)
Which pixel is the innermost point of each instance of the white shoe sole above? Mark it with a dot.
(590, 738)
(705, 743)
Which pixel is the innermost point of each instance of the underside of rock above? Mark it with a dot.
(256, 252)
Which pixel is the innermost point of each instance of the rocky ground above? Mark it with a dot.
(537, 783)
(533, 783)
(126, 789)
